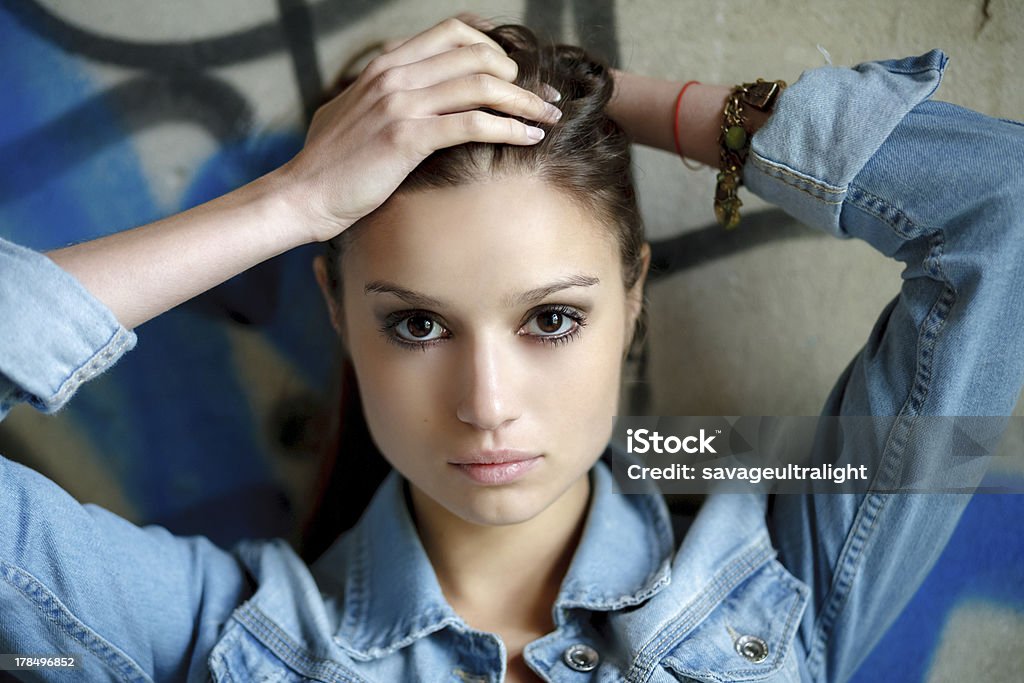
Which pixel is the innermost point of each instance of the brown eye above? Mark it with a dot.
(549, 322)
(552, 323)
(420, 327)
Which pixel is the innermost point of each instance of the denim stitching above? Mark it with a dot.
(780, 655)
(657, 578)
(432, 622)
(869, 512)
(650, 655)
(55, 611)
(739, 570)
(114, 346)
(803, 184)
(781, 171)
(895, 69)
(355, 586)
(938, 70)
(872, 204)
(846, 566)
(297, 658)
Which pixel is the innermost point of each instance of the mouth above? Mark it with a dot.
(496, 457)
(493, 468)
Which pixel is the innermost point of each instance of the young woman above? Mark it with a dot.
(486, 295)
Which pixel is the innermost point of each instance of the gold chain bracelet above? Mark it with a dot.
(734, 144)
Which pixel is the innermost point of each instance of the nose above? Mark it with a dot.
(488, 396)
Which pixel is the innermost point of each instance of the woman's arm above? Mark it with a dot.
(865, 153)
(644, 107)
(141, 604)
(423, 95)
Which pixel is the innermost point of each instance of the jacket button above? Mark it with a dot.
(752, 648)
(581, 657)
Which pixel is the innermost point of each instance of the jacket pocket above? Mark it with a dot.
(750, 636)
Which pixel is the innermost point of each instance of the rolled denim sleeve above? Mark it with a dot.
(54, 336)
(864, 153)
(133, 604)
(827, 126)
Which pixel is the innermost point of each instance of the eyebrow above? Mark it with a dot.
(520, 299)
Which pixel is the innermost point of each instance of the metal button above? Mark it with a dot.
(752, 648)
(581, 657)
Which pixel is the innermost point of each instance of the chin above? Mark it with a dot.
(495, 507)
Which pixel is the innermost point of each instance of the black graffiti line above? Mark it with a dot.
(211, 103)
(594, 20)
(252, 43)
(597, 27)
(297, 27)
(712, 242)
(696, 248)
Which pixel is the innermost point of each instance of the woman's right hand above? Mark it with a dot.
(421, 96)
(418, 97)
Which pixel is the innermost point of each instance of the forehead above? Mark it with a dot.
(503, 234)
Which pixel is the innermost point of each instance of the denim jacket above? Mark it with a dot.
(792, 588)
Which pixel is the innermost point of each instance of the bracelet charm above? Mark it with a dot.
(734, 144)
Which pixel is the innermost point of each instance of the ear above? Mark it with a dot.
(635, 297)
(334, 309)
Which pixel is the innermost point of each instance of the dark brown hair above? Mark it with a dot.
(586, 155)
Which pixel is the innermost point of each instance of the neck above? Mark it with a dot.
(503, 577)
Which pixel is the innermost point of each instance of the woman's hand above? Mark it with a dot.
(419, 97)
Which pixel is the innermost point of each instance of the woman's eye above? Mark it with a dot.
(550, 324)
(419, 328)
(416, 330)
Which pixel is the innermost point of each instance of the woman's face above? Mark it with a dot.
(487, 325)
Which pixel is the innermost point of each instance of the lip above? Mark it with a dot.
(495, 457)
(493, 468)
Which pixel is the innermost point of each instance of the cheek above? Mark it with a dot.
(395, 385)
(586, 376)
(397, 388)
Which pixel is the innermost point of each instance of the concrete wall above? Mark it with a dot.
(117, 112)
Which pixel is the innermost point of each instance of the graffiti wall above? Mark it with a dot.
(116, 113)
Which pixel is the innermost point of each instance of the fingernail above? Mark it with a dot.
(553, 112)
(534, 133)
(550, 94)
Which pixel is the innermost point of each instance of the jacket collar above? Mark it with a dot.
(390, 596)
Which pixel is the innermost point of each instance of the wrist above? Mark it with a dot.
(700, 121)
(286, 196)
(644, 107)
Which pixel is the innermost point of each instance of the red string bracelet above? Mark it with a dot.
(675, 124)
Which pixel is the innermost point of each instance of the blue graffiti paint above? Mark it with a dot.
(60, 195)
(295, 321)
(170, 420)
(984, 562)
